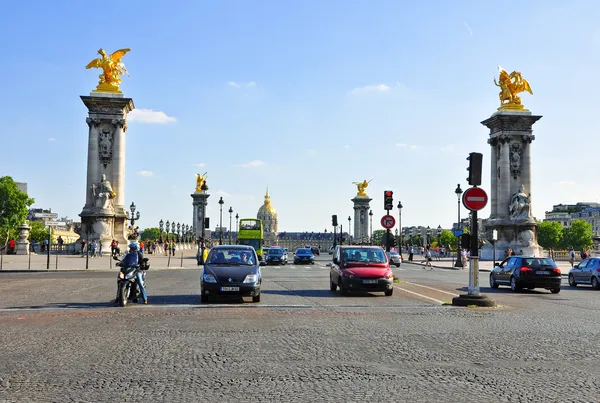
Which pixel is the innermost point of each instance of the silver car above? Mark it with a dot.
(395, 258)
(586, 272)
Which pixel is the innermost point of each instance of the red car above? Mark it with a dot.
(361, 268)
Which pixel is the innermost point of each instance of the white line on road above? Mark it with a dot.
(421, 295)
(434, 289)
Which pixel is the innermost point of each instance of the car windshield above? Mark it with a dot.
(538, 262)
(275, 251)
(303, 252)
(231, 257)
(363, 255)
(393, 253)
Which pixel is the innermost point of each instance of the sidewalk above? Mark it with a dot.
(485, 266)
(70, 263)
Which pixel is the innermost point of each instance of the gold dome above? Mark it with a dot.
(267, 208)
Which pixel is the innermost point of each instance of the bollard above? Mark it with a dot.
(29, 261)
(181, 259)
(56, 264)
(169, 261)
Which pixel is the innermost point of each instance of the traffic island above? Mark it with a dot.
(470, 300)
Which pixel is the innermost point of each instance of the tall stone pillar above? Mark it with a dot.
(199, 203)
(510, 138)
(361, 218)
(104, 217)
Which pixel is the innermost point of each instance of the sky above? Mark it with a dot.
(301, 97)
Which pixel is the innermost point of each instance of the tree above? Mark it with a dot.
(38, 232)
(578, 235)
(378, 236)
(448, 239)
(13, 208)
(550, 234)
(152, 234)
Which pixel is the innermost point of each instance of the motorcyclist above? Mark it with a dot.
(132, 258)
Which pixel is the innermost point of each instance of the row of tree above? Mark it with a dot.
(14, 205)
(578, 236)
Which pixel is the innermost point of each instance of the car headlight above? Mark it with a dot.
(389, 275)
(209, 278)
(251, 278)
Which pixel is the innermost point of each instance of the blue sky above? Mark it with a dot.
(303, 97)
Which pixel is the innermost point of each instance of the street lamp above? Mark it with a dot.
(439, 234)
(349, 231)
(161, 225)
(187, 233)
(400, 225)
(237, 228)
(167, 229)
(458, 192)
(178, 231)
(230, 212)
(221, 202)
(428, 236)
(133, 234)
(371, 229)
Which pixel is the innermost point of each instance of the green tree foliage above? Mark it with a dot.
(378, 236)
(448, 238)
(38, 232)
(152, 234)
(578, 235)
(550, 234)
(13, 208)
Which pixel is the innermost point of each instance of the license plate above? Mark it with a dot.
(230, 288)
(370, 281)
(542, 272)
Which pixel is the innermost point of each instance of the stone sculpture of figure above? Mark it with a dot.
(200, 180)
(104, 193)
(515, 159)
(519, 204)
(361, 186)
(362, 216)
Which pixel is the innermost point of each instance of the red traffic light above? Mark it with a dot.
(388, 193)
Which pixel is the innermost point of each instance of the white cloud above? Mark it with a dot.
(249, 84)
(146, 173)
(251, 164)
(149, 116)
(566, 183)
(222, 193)
(51, 140)
(346, 146)
(413, 147)
(200, 165)
(469, 28)
(375, 88)
(401, 145)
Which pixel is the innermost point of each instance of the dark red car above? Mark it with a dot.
(361, 268)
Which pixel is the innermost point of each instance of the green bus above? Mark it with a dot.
(250, 232)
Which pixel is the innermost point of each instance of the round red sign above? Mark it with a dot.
(474, 199)
(388, 221)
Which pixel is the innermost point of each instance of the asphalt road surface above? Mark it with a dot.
(62, 340)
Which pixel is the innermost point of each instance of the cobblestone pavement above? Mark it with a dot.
(62, 341)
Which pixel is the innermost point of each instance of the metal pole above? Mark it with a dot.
(458, 259)
(56, 263)
(29, 261)
(341, 232)
(387, 235)
(181, 260)
(400, 230)
(229, 228)
(87, 250)
(169, 261)
(221, 225)
(48, 249)
(474, 267)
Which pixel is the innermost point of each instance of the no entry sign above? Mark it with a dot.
(388, 221)
(474, 199)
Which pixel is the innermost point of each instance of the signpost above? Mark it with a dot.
(388, 221)
(54, 216)
(474, 199)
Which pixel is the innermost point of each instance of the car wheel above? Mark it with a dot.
(595, 283)
(398, 265)
(493, 283)
(572, 282)
(332, 285)
(343, 289)
(203, 299)
(555, 290)
(389, 293)
(513, 284)
(256, 298)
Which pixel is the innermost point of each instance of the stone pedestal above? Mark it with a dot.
(510, 188)
(361, 218)
(22, 244)
(104, 217)
(200, 201)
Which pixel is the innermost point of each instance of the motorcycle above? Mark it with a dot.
(127, 286)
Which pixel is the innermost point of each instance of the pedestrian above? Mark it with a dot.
(572, 257)
(428, 258)
(411, 253)
(100, 248)
(82, 247)
(60, 242)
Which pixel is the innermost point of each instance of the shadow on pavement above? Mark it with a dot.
(314, 293)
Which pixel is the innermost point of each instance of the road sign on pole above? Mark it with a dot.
(45, 215)
(55, 223)
(388, 221)
(474, 199)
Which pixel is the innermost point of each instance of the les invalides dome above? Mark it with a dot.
(268, 215)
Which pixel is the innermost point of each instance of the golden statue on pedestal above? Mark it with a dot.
(511, 85)
(361, 186)
(112, 69)
(200, 181)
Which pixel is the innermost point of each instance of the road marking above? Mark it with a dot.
(421, 295)
(433, 289)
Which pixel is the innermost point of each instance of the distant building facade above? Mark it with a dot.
(564, 214)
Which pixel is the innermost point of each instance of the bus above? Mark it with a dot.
(250, 232)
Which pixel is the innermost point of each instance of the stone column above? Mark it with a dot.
(361, 217)
(22, 244)
(503, 184)
(106, 156)
(200, 199)
(495, 155)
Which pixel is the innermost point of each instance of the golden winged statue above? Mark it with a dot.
(112, 69)
(511, 85)
(200, 181)
(361, 186)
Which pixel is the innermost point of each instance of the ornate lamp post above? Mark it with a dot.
(349, 230)
(133, 217)
(371, 229)
(178, 231)
(167, 229)
(428, 236)
(230, 217)
(187, 233)
(400, 225)
(237, 228)
(221, 202)
(439, 234)
(161, 226)
(458, 192)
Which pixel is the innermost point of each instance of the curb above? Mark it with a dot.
(87, 271)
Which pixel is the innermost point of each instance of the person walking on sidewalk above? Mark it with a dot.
(411, 253)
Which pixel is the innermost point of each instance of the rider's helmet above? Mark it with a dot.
(134, 246)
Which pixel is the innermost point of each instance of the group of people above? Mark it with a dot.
(94, 248)
(156, 248)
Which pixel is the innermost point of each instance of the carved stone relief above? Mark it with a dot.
(105, 146)
(92, 122)
(516, 156)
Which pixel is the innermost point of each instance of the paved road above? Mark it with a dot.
(62, 341)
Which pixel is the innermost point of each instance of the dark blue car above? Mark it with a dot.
(304, 255)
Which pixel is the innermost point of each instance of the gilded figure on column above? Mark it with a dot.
(200, 181)
(511, 85)
(112, 69)
(361, 186)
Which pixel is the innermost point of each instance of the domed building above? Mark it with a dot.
(268, 215)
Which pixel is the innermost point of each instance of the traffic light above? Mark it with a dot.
(475, 160)
(388, 200)
(334, 220)
(465, 241)
(207, 222)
